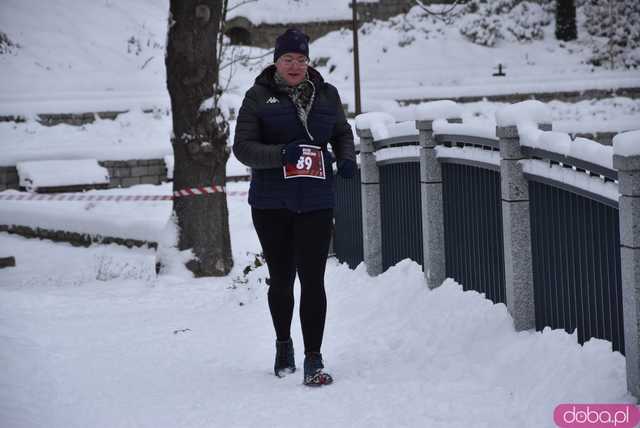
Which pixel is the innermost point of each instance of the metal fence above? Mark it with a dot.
(474, 248)
(576, 264)
(553, 235)
(347, 239)
(400, 212)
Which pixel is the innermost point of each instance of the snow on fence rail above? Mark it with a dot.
(547, 225)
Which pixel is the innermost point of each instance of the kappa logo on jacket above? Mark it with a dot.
(273, 100)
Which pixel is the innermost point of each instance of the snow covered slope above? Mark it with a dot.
(78, 56)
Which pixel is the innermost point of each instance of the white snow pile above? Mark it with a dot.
(402, 129)
(36, 174)
(444, 109)
(403, 152)
(473, 126)
(377, 123)
(592, 185)
(523, 112)
(143, 221)
(132, 135)
(561, 143)
(199, 352)
(474, 154)
(627, 143)
(383, 125)
(614, 114)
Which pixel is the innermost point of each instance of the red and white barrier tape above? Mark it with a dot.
(118, 198)
(196, 191)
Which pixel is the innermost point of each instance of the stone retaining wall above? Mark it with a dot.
(385, 9)
(74, 238)
(243, 32)
(125, 173)
(137, 171)
(8, 178)
(264, 35)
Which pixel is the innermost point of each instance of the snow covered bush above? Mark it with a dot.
(614, 28)
(486, 21)
(6, 45)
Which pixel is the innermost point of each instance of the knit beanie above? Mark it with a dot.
(291, 41)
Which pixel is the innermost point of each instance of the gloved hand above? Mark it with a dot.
(347, 168)
(291, 153)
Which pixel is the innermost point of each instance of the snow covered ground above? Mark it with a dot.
(109, 55)
(182, 352)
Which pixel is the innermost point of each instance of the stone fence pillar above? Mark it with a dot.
(371, 221)
(629, 210)
(516, 229)
(432, 209)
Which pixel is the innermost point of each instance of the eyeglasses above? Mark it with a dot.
(288, 61)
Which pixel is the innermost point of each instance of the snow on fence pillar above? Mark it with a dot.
(626, 160)
(368, 125)
(431, 189)
(516, 227)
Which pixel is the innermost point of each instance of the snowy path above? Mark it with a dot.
(75, 352)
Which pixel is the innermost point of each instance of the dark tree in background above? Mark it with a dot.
(566, 20)
(200, 133)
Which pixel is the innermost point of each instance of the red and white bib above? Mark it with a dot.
(310, 164)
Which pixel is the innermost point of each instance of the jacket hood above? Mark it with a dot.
(265, 78)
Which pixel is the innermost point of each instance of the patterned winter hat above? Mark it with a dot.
(291, 41)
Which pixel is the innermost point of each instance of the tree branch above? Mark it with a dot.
(242, 3)
(442, 14)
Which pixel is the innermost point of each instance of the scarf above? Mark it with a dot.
(301, 95)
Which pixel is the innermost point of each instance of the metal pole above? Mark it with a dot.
(356, 60)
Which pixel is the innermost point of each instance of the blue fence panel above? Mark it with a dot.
(474, 247)
(347, 239)
(576, 264)
(401, 214)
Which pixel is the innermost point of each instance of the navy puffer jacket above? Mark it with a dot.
(267, 121)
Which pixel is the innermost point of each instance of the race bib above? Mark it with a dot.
(310, 164)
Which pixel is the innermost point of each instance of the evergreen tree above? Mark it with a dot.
(566, 20)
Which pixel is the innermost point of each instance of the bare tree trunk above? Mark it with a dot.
(200, 134)
(566, 20)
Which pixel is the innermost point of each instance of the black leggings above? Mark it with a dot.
(296, 243)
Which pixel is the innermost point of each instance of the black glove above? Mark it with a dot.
(347, 168)
(291, 153)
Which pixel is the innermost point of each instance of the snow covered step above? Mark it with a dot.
(62, 175)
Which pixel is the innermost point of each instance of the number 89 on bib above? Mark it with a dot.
(310, 164)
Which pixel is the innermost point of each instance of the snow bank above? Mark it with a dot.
(627, 143)
(377, 123)
(478, 129)
(445, 109)
(402, 129)
(438, 358)
(412, 152)
(525, 111)
(561, 143)
(592, 151)
(132, 135)
(37, 174)
(469, 153)
(129, 220)
(570, 177)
